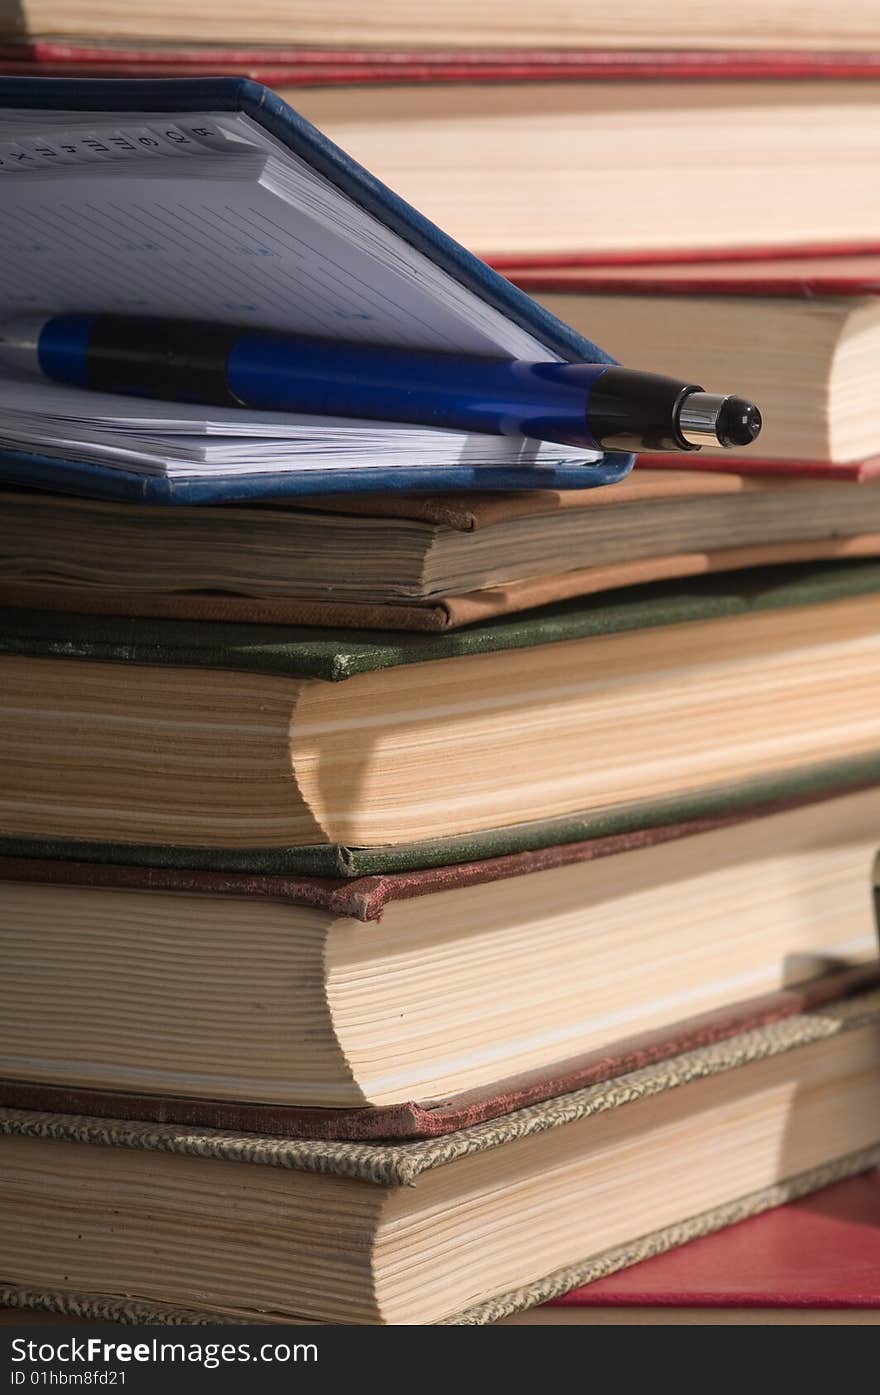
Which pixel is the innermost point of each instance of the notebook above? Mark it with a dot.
(230, 207)
(814, 1261)
(270, 749)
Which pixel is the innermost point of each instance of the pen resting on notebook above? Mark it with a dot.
(579, 404)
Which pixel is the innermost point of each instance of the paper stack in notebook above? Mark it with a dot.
(183, 441)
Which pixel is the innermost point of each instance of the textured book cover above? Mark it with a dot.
(392, 1165)
(337, 655)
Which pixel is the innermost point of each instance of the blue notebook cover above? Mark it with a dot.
(239, 95)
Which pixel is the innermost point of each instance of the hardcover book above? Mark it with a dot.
(417, 562)
(815, 1261)
(414, 1003)
(258, 748)
(842, 282)
(467, 1228)
(594, 168)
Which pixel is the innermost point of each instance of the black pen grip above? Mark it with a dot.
(633, 411)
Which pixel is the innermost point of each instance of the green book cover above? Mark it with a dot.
(334, 656)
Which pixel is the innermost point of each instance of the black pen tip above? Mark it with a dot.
(739, 422)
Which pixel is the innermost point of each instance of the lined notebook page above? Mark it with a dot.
(210, 217)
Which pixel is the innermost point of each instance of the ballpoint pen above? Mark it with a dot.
(592, 405)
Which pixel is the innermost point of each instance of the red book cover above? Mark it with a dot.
(821, 1252)
(306, 66)
(858, 471)
(761, 271)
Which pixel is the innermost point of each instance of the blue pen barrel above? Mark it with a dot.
(548, 401)
(182, 360)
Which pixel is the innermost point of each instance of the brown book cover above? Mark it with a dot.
(473, 513)
(432, 617)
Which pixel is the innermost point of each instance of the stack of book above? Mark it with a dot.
(426, 906)
(422, 979)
